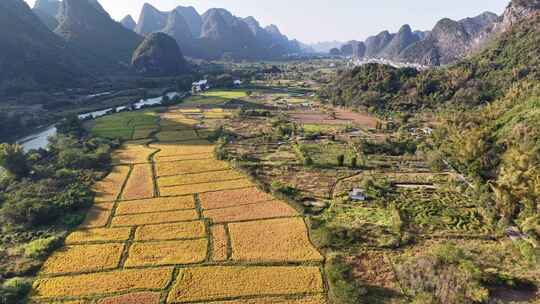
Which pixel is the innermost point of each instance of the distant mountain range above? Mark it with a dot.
(447, 42)
(215, 34)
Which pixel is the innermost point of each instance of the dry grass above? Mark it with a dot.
(185, 148)
(232, 198)
(205, 187)
(108, 189)
(190, 166)
(219, 240)
(198, 178)
(98, 235)
(272, 241)
(83, 258)
(133, 298)
(98, 216)
(133, 153)
(186, 157)
(140, 184)
(154, 218)
(164, 232)
(103, 283)
(220, 282)
(178, 135)
(264, 210)
(159, 204)
(167, 253)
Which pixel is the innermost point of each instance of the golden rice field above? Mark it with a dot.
(205, 187)
(158, 204)
(233, 198)
(189, 166)
(223, 282)
(205, 235)
(174, 231)
(108, 189)
(272, 241)
(186, 148)
(167, 253)
(264, 210)
(197, 178)
(140, 183)
(133, 153)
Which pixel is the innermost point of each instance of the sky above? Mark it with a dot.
(326, 20)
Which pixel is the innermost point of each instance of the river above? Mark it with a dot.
(40, 138)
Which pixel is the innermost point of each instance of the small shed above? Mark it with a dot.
(358, 195)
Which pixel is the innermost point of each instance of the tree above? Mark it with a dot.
(13, 159)
(341, 160)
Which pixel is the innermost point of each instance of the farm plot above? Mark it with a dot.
(214, 283)
(205, 187)
(125, 125)
(135, 152)
(175, 231)
(98, 216)
(140, 183)
(108, 189)
(101, 235)
(83, 258)
(264, 210)
(219, 243)
(177, 135)
(154, 218)
(233, 198)
(167, 253)
(272, 241)
(159, 204)
(197, 178)
(190, 166)
(185, 148)
(103, 283)
(133, 298)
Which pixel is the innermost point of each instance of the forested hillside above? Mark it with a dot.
(488, 115)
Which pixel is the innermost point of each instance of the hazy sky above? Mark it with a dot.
(324, 20)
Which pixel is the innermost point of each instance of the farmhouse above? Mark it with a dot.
(201, 85)
(358, 195)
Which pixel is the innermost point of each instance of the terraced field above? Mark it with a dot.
(171, 224)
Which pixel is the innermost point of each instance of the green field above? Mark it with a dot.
(326, 154)
(236, 94)
(126, 125)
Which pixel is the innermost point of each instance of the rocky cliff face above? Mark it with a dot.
(376, 44)
(159, 56)
(404, 38)
(89, 28)
(47, 10)
(128, 22)
(216, 34)
(32, 55)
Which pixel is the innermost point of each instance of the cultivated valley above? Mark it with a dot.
(205, 158)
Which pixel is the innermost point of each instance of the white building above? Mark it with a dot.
(201, 85)
(358, 195)
(237, 83)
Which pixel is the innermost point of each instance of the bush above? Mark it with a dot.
(41, 247)
(14, 289)
(446, 273)
(340, 160)
(343, 287)
(13, 159)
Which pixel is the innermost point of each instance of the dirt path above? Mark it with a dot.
(171, 224)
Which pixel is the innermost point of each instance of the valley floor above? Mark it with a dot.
(171, 224)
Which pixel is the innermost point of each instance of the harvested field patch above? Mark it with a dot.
(132, 153)
(98, 216)
(167, 253)
(133, 298)
(103, 283)
(140, 184)
(197, 178)
(108, 189)
(158, 204)
(98, 235)
(83, 258)
(212, 283)
(190, 166)
(186, 157)
(205, 187)
(179, 135)
(272, 241)
(232, 198)
(164, 232)
(154, 218)
(220, 243)
(264, 210)
(278, 300)
(185, 148)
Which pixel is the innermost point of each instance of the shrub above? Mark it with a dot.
(14, 289)
(340, 160)
(343, 287)
(41, 247)
(13, 159)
